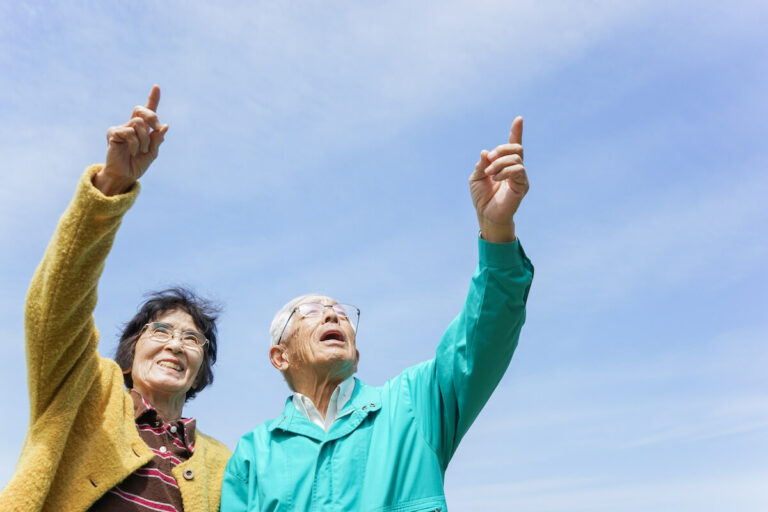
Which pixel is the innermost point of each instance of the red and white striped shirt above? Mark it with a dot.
(153, 487)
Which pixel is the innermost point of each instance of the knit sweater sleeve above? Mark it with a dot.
(61, 337)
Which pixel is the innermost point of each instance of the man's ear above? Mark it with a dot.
(278, 357)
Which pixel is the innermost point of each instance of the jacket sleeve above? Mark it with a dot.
(448, 392)
(61, 338)
(234, 487)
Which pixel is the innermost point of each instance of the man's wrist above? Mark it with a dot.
(497, 233)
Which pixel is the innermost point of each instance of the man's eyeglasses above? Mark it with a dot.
(314, 309)
(163, 333)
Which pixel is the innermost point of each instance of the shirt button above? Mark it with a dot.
(189, 474)
(173, 429)
(163, 449)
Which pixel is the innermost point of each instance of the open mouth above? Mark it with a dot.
(171, 365)
(332, 335)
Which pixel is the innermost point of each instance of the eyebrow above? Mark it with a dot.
(166, 324)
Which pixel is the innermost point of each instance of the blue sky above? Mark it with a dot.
(325, 146)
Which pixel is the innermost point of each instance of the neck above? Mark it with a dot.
(168, 406)
(318, 389)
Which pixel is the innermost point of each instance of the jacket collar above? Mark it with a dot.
(365, 400)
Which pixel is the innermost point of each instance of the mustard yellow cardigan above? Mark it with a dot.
(82, 438)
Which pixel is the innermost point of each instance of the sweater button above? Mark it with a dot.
(189, 474)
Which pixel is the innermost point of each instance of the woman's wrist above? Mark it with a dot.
(111, 184)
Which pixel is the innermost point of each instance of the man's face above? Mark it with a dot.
(323, 344)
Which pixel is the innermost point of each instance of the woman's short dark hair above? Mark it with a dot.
(202, 311)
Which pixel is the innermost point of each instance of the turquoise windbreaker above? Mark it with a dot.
(390, 446)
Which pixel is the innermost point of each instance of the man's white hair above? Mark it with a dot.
(278, 326)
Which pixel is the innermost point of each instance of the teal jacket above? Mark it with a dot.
(390, 447)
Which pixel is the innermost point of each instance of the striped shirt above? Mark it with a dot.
(153, 487)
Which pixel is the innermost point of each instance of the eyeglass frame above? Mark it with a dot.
(296, 308)
(174, 332)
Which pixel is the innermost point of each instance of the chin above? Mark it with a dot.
(346, 365)
(340, 358)
(170, 387)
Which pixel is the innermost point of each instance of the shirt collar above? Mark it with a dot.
(339, 399)
(143, 412)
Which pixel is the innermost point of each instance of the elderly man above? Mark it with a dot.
(341, 445)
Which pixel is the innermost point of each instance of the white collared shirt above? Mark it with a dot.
(339, 399)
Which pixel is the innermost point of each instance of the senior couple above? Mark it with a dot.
(110, 435)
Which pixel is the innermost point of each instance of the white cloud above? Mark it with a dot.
(387, 64)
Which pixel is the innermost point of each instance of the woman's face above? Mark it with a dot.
(170, 367)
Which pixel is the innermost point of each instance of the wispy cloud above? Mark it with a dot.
(739, 492)
(686, 411)
(684, 233)
(288, 81)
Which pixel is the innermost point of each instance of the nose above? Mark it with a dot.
(175, 344)
(329, 314)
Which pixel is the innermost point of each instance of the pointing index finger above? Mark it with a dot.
(154, 98)
(516, 133)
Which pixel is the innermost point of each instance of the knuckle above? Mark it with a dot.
(142, 112)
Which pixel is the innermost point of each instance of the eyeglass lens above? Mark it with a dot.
(310, 309)
(315, 309)
(159, 331)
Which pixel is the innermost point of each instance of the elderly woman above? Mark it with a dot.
(92, 444)
(342, 445)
